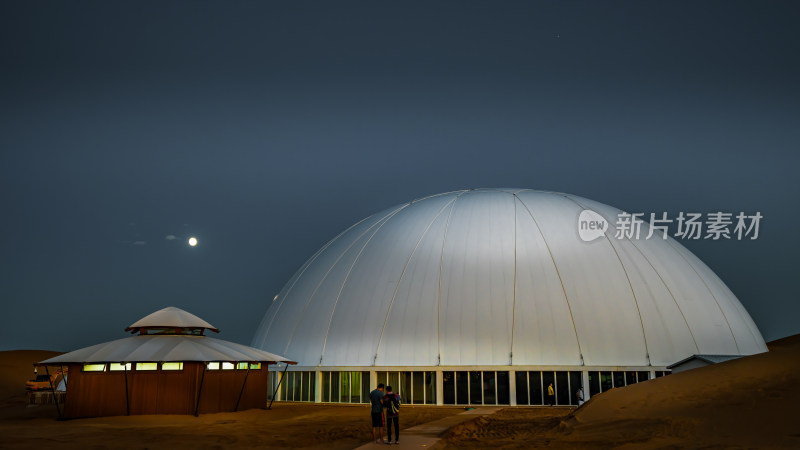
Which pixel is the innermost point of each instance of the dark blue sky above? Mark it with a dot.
(266, 128)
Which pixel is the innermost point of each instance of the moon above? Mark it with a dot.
(192, 241)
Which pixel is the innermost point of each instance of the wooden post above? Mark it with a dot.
(200, 390)
(242, 390)
(53, 391)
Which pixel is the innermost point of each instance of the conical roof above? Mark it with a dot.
(171, 317)
(167, 347)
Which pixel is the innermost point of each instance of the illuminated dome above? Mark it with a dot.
(500, 277)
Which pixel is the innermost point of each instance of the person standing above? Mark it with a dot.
(392, 403)
(579, 396)
(551, 395)
(376, 400)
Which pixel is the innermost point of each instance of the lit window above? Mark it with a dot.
(172, 366)
(94, 367)
(227, 366)
(146, 366)
(241, 365)
(213, 366)
(255, 366)
(119, 367)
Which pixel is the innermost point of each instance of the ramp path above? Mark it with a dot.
(428, 434)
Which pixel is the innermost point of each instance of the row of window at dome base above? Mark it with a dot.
(166, 366)
(458, 387)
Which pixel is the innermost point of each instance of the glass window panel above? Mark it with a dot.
(213, 366)
(382, 378)
(575, 384)
(304, 386)
(503, 389)
(326, 386)
(594, 383)
(241, 365)
(394, 380)
(563, 394)
(345, 397)
(535, 387)
(255, 366)
(619, 379)
(405, 386)
(462, 388)
(290, 386)
(227, 366)
(119, 367)
(475, 388)
(355, 387)
(489, 388)
(365, 387)
(606, 382)
(630, 378)
(642, 376)
(430, 388)
(548, 379)
(172, 366)
(94, 367)
(282, 380)
(418, 388)
(147, 366)
(335, 376)
(521, 379)
(296, 396)
(449, 387)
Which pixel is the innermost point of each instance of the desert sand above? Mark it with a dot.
(750, 402)
(746, 403)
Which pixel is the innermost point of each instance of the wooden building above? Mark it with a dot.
(169, 367)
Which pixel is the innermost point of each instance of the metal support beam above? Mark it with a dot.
(278, 386)
(53, 391)
(63, 377)
(242, 390)
(440, 387)
(200, 390)
(512, 387)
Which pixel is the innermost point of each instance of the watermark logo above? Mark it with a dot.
(591, 225)
(715, 226)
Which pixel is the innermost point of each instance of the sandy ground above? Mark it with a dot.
(285, 426)
(746, 403)
(751, 402)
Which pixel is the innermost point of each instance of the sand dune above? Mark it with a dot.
(751, 402)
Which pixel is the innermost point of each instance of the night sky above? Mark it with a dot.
(266, 128)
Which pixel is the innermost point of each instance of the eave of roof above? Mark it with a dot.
(158, 348)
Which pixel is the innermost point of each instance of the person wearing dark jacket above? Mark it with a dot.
(392, 403)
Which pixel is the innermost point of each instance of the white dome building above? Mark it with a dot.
(488, 296)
